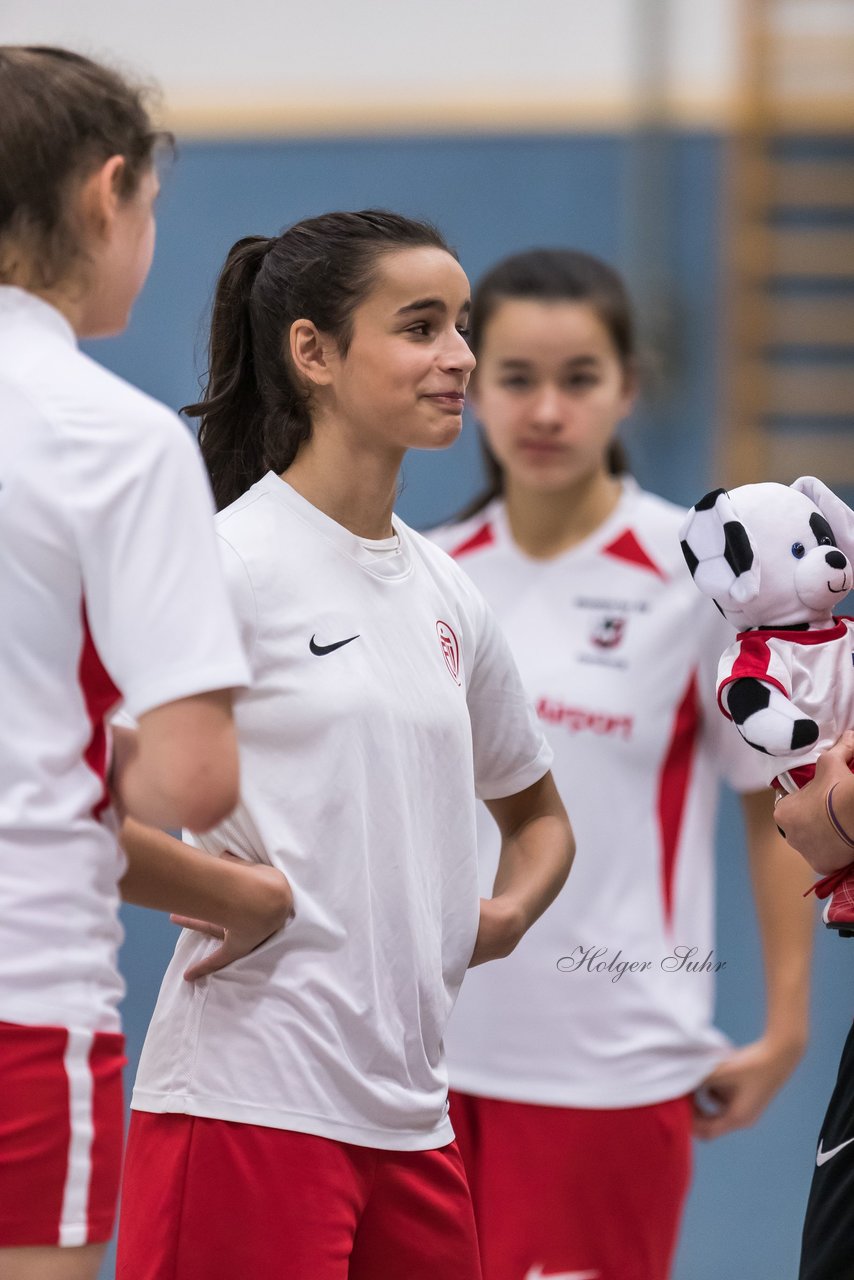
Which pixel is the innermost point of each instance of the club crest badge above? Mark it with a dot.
(450, 649)
(608, 632)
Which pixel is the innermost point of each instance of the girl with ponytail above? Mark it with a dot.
(232, 432)
(290, 1120)
(582, 1067)
(111, 591)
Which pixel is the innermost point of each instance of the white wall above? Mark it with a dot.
(279, 64)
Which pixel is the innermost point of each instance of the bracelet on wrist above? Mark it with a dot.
(834, 820)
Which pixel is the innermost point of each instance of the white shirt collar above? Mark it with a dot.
(20, 305)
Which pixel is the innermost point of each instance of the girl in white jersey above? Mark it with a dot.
(290, 1114)
(110, 589)
(577, 1065)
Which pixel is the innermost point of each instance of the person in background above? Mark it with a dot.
(583, 1064)
(110, 590)
(290, 1113)
(819, 822)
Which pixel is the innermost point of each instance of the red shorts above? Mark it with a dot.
(563, 1191)
(61, 1124)
(213, 1200)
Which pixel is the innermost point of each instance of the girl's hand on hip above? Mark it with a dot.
(263, 903)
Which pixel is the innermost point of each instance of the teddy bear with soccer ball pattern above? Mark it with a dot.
(775, 559)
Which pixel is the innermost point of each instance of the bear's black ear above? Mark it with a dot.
(708, 500)
(737, 549)
(719, 551)
(690, 559)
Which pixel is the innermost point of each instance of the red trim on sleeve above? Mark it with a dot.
(100, 696)
(484, 537)
(627, 547)
(746, 675)
(673, 785)
(752, 663)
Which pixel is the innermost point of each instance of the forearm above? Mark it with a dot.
(786, 925)
(537, 848)
(167, 875)
(533, 866)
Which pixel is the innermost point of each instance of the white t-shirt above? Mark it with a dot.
(618, 652)
(384, 697)
(813, 669)
(110, 588)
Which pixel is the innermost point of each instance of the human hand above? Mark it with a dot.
(740, 1088)
(802, 817)
(263, 904)
(500, 928)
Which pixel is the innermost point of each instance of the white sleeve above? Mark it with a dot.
(742, 766)
(154, 595)
(510, 750)
(241, 592)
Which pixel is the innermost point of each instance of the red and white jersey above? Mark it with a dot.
(384, 699)
(110, 588)
(607, 1001)
(814, 669)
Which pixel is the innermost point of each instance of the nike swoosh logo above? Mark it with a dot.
(320, 649)
(537, 1273)
(822, 1157)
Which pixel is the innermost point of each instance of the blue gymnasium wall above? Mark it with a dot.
(493, 196)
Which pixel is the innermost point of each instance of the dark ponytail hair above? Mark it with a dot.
(254, 414)
(553, 275)
(61, 116)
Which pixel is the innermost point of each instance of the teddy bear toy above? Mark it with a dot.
(775, 559)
